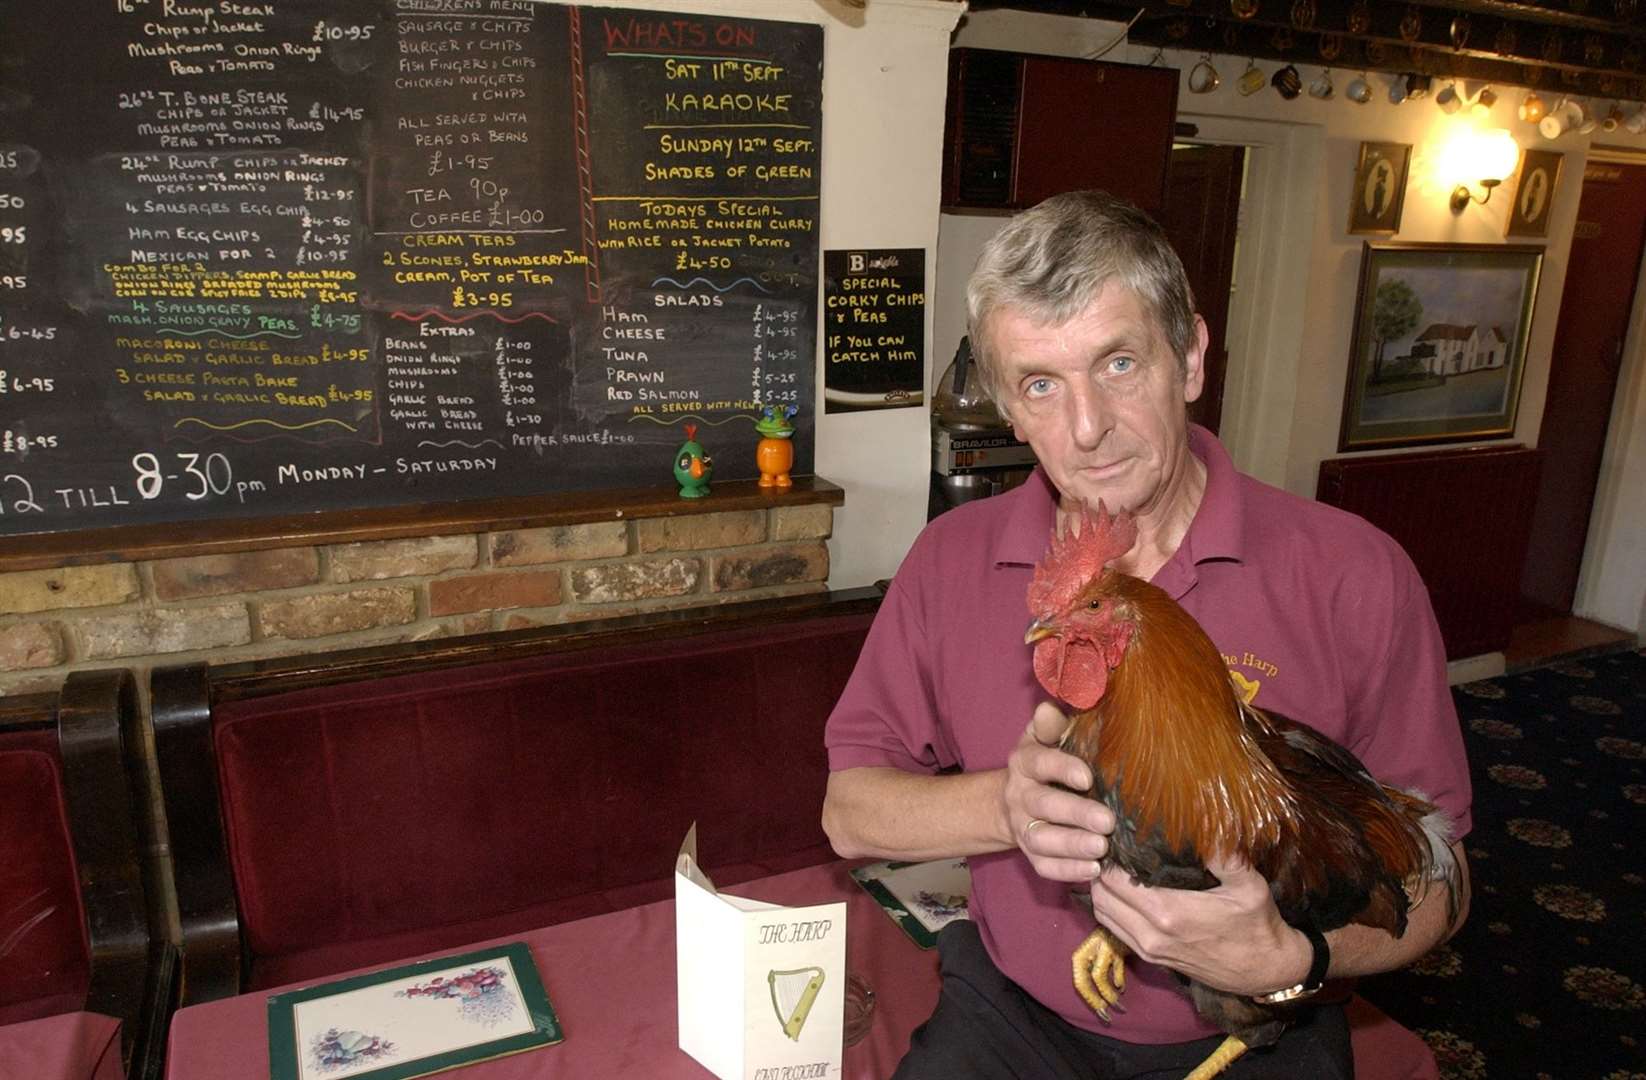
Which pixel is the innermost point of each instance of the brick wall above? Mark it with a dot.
(297, 599)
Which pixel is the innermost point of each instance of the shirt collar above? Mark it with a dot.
(1217, 531)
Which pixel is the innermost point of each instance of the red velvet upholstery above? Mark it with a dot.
(45, 956)
(374, 820)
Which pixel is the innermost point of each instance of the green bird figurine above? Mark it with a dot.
(692, 466)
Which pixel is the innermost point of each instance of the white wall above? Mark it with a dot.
(1289, 360)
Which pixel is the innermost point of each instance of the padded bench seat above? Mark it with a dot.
(344, 809)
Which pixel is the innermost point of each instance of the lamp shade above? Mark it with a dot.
(1494, 155)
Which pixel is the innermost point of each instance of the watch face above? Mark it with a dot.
(1300, 992)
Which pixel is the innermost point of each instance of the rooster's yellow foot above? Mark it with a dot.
(1100, 972)
(1221, 1059)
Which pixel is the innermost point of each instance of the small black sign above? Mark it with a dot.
(874, 329)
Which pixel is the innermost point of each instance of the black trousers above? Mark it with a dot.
(987, 1028)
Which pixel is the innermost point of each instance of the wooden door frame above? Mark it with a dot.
(1610, 524)
(1267, 313)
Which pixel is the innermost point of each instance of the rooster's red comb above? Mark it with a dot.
(1073, 560)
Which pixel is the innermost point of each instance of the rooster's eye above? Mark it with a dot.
(1095, 605)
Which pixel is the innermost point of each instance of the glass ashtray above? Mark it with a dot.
(859, 1008)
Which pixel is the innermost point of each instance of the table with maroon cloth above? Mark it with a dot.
(611, 979)
(68, 1046)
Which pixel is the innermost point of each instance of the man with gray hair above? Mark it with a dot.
(942, 745)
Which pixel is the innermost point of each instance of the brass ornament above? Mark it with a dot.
(1506, 41)
(1231, 37)
(1594, 50)
(1283, 39)
(1411, 24)
(1177, 29)
(1243, 9)
(1553, 46)
(1360, 18)
(1303, 14)
(1330, 46)
(1377, 54)
(1459, 31)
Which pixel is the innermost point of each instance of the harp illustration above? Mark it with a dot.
(793, 993)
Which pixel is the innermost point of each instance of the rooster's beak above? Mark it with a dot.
(1038, 630)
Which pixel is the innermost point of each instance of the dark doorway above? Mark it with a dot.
(1595, 306)
(1202, 216)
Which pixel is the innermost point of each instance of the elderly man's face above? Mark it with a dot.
(1101, 399)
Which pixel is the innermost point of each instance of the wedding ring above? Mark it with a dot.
(1033, 824)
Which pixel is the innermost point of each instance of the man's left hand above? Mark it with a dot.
(1230, 937)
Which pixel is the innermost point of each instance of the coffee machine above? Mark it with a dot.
(974, 453)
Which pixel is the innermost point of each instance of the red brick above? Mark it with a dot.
(640, 580)
(323, 614)
(30, 645)
(243, 572)
(761, 568)
(561, 543)
(492, 592)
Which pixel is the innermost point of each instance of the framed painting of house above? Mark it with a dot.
(1439, 343)
(1380, 188)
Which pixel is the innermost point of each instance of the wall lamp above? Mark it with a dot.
(1491, 156)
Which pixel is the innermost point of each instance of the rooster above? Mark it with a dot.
(1194, 773)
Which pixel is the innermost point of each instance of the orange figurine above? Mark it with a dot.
(775, 454)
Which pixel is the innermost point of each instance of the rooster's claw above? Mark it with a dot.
(1100, 972)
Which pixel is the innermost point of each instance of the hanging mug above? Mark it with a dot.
(1252, 79)
(1559, 120)
(1532, 109)
(1449, 99)
(1203, 77)
(1586, 121)
(1322, 87)
(1288, 82)
(1359, 90)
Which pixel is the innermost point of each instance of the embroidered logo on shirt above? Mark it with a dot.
(1246, 688)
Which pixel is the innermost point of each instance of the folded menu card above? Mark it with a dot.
(414, 1019)
(760, 986)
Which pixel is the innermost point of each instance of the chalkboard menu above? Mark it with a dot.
(265, 258)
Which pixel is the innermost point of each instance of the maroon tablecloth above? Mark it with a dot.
(611, 981)
(70, 1046)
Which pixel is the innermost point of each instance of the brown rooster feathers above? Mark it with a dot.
(1193, 773)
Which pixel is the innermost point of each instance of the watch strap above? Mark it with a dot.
(1313, 981)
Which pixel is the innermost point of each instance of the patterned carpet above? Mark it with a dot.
(1547, 979)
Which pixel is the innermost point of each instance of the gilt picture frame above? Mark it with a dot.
(1438, 350)
(1535, 184)
(1379, 188)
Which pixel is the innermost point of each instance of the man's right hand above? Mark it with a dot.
(1062, 833)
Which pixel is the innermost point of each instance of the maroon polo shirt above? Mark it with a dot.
(1318, 615)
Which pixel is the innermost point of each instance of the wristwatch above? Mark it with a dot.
(1312, 982)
